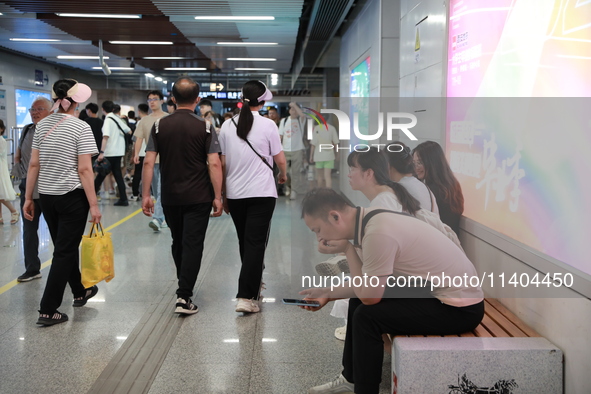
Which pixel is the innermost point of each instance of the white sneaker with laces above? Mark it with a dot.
(163, 224)
(247, 306)
(339, 385)
(154, 225)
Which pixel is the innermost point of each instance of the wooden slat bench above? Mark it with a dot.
(498, 322)
(502, 350)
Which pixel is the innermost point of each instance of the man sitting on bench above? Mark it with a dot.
(394, 249)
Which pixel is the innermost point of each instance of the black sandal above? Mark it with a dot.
(50, 320)
(88, 294)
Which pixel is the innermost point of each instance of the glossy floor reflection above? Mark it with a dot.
(283, 349)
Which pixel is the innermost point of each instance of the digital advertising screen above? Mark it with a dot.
(24, 98)
(360, 98)
(518, 121)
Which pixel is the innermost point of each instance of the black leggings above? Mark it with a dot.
(252, 219)
(364, 348)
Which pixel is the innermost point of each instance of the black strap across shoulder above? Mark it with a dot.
(254, 150)
(119, 126)
(373, 213)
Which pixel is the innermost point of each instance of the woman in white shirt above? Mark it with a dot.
(61, 166)
(249, 143)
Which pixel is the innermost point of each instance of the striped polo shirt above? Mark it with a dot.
(59, 151)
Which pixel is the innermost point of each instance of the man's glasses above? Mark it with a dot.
(152, 100)
(33, 110)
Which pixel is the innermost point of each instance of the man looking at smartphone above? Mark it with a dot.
(391, 245)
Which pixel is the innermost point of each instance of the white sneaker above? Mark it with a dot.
(154, 225)
(340, 333)
(293, 195)
(163, 224)
(335, 266)
(339, 385)
(248, 306)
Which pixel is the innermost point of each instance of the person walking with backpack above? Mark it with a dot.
(113, 149)
(249, 144)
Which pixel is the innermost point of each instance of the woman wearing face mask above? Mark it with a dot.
(432, 168)
(61, 164)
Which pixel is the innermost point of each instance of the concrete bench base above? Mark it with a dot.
(493, 365)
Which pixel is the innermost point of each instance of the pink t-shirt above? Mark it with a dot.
(396, 244)
(246, 174)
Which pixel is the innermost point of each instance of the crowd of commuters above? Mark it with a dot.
(185, 164)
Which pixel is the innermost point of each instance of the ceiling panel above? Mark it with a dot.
(161, 20)
(96, 7)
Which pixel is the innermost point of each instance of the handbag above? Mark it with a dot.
(96, 257)
(102, 168)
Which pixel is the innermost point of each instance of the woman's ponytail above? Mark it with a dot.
(251, 91)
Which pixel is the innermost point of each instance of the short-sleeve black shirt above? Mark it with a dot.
(96, 125)
(183, 143)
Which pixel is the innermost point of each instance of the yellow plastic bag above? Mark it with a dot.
(96, 257)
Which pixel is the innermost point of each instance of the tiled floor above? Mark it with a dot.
(283, 349)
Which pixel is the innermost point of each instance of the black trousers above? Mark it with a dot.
(188, 224)
(137, 177)
(252, 219)
(364, 349)
(116, 169)
(30, 234)
(66, 218)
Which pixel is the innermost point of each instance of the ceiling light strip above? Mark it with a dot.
(166, 58)
(114, 68)
(235, 18)
(185, 68)
(141, 42)
(239, 43)
(70, 57)
(252, 69)
(253, 59)
(34, 39)
(116, 16)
